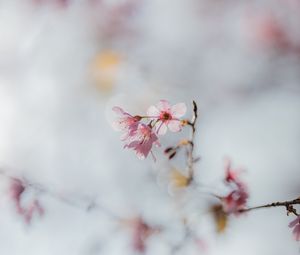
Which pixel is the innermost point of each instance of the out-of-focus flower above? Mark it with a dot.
(141, 231)
(295, 224)
(104, 69)
(17, 188)
(236, 200)
(141, 140)
(268, 31)
(34, 207)
(179, 180)
(231, 175)
(125, 122)
(166, 116)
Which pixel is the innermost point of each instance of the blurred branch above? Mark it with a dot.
(85, 203)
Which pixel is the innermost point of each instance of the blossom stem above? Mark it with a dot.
(192, 124)
(287, 204)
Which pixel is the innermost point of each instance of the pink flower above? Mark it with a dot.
(235, 201)
(166, 116)
(126, 122)
(296, 225)
(142, 140)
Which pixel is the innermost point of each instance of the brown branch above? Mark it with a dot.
(287, 204)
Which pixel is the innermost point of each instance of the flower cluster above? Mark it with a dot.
(236, 200)
(140, 133)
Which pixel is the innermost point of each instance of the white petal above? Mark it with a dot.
(178, 110)
(116, 125)
(118, 110)
(174, 125)
(161, 128)
(163, 105)
(152, 111)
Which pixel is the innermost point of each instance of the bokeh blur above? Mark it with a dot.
(65, 63)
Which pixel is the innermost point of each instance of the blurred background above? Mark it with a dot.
(65, 63)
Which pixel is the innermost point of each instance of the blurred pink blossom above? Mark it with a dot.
(232, 176)
(236, 200)
(141, 231)
(17, 188)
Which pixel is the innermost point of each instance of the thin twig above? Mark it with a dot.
(287, 204)
(192, 123)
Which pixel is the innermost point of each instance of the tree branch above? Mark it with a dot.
(287, 204)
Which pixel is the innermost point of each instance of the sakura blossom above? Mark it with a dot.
(166, 116)
(142, 140)
(125, 122)
(140, 133)
(295, 224)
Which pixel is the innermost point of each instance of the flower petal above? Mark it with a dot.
(116, 125)
(174, 125)
(161, 128)
(296, 232)
(294, 222)
(163, 105)
(178, 110)
(118, 110)
(152, 111)
(141, 155)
